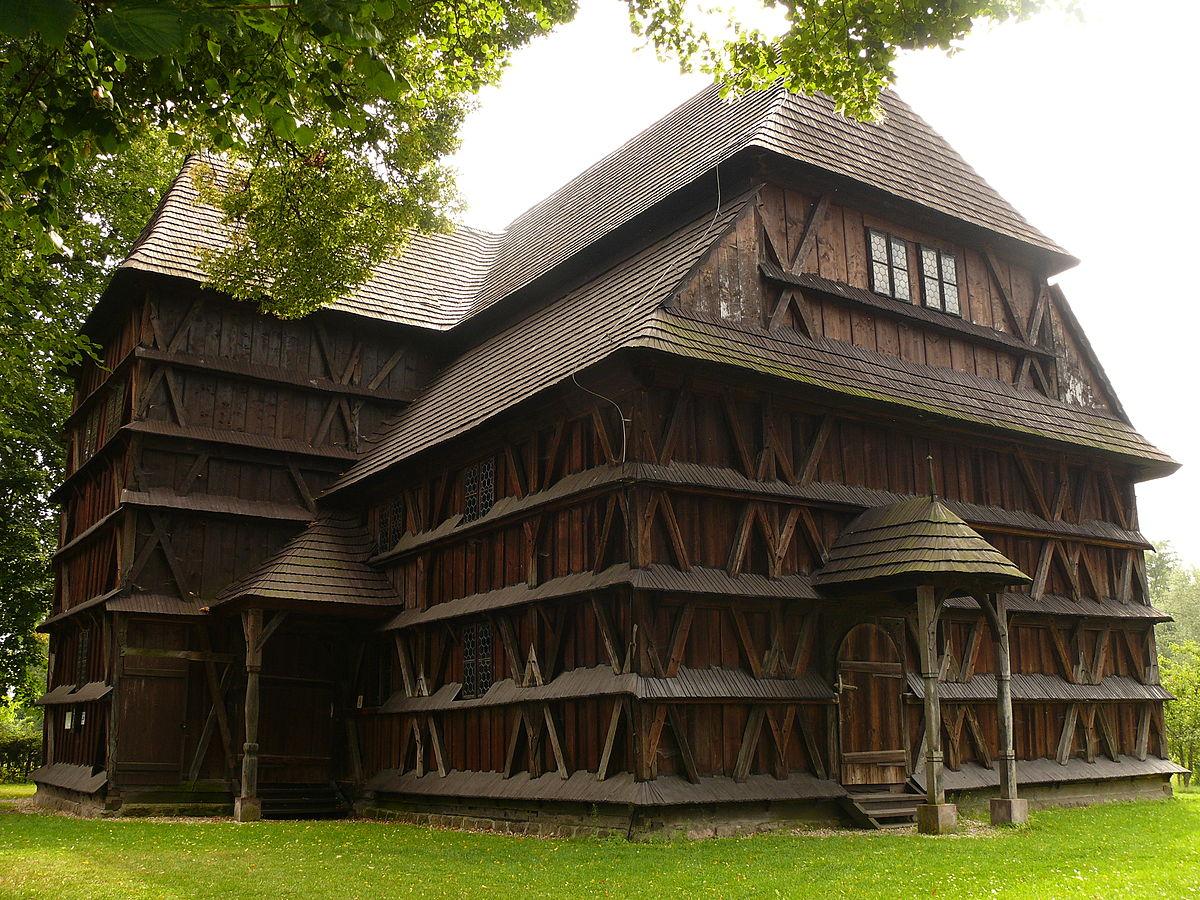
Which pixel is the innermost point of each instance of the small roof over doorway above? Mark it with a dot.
(322, 569)
(913, 543)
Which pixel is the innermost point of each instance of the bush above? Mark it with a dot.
(20, 741)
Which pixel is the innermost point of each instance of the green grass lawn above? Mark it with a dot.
(1149, 849)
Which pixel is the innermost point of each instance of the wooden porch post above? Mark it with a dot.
(1006, 809)
(248, 808)
(935, 816)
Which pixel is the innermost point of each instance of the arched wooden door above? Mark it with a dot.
(871, 712)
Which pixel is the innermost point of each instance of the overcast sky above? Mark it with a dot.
(1087, 126)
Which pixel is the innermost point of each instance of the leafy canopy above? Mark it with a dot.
(337, 114)
(42, 307)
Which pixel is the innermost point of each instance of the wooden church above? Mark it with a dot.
(756, 476)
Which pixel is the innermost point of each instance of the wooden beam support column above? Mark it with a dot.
(248, 808)
(935, 816)
(1007, 809)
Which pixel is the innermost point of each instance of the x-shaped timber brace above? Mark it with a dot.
(533, 726)
(791, 309)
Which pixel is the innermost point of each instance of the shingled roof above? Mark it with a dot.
(856, 372)
(430, 285)
(545, 347)
(625, 308)
(912, 543)
(326, 564)
(439, 281)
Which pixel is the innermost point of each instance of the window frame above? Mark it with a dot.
(83, 655)
(890, 243)
(940, 280)
(479, 489)
(478, 658)
(391, 521)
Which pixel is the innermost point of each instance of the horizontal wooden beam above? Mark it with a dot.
(190, 655)
(273, 375)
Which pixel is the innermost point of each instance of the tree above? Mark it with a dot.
(337, 113)
(41, 310)
(1179, 669)
(1175, 589)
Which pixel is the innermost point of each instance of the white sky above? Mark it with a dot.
(1086, 125)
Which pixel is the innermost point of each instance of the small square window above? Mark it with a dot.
(939, 280)
(889, 265)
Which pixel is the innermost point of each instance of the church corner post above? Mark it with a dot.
(935, 816)
(248, 807)
(1007, 809)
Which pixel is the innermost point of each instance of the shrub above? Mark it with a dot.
(20, 741)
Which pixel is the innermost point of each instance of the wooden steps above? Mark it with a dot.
(302, 801)
(882, 806)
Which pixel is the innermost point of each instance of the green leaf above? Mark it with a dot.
(50, 18)
(142, 31)
(304, 136)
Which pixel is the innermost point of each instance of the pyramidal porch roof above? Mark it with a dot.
(324, 566)
(913, 543)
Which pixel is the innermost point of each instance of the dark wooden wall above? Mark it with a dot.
(197, 447)
(996, 294)
(740, 481)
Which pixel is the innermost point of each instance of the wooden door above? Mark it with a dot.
(297, 705)
(871, 711)
(152, 720)
(295, 730)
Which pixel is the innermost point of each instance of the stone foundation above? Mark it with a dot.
(564, 820)
(164, 802)
(576, 820)
(1073, 793)
(76, 803)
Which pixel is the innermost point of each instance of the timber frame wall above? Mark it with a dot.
(196, 448)
(647, 592)
(653, 617)
(643, 575)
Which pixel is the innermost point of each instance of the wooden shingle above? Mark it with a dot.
(325, 564)
(912, 543)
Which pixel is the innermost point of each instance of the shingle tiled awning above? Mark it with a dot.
(912, 543)
(324, 566)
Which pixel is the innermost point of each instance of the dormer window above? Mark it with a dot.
(479, 489)
(939, 280)
(889, 265)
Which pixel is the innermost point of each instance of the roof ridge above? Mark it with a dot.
(638, 274)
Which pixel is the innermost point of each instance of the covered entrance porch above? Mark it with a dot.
(910, 557)
(307, 617)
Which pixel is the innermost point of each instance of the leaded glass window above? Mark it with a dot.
(889, 264)
(477, 659)
(939, 280)
(114, 409)
(83, 656)
(389, 524)
(479, 489)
